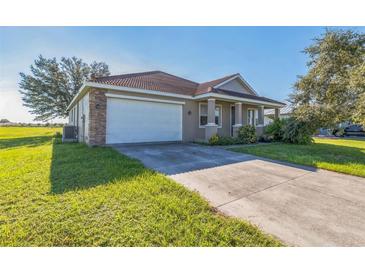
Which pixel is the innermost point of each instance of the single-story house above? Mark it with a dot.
(285, 113)
(156, 106)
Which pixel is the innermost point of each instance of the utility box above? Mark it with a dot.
(69, 133)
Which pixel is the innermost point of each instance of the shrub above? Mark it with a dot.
(226, 141)
(275, 129)
(265, 138)
(297, 132)
(57, 135)
(214, 140)
(339, 132)
(217, 140)
(247, 134)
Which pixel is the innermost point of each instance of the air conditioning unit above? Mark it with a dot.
(69, 133)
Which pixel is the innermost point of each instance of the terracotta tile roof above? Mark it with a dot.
(152, 80)
(162, 81)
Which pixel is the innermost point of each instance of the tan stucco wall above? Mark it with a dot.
(191, 130)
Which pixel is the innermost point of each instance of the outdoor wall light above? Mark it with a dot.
(189, 112)
(97, 106)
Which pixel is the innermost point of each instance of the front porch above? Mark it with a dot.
(225, 117)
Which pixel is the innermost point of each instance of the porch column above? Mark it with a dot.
(260, 122)
(277, 113)
(237, 118)
(245, 118)
(211, 128)
(261, 116)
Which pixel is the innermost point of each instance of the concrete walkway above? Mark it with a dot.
(300, 205)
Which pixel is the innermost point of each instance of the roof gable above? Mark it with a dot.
(237, 86)
(236, 83)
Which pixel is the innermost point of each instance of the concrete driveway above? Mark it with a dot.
(300, 205)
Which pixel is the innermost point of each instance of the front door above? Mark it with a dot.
(232, 118)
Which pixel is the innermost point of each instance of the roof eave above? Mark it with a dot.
(238, 99)
(85, 87)
(78, 94)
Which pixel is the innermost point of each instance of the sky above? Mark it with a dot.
(269, 58)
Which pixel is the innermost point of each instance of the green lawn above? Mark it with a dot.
(341, 155)
(54, 194)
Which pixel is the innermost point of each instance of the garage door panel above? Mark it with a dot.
(132, 121)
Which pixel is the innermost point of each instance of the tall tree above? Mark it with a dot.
(50, 87)
(333, 90)
(3, 121)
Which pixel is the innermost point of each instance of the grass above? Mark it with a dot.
(341, 155)
(54, 194)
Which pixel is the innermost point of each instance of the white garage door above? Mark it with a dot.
(134, 121)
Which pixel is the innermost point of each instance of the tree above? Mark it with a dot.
(3, 121)
(50, 87)
(333, 90)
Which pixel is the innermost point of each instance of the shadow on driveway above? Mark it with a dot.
(300, 205)
(172, 159)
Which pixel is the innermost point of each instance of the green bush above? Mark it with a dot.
(217, 140)
(266, 138)
(297, 132)
(275, 129)
(214, 140)
(247, 135)
(226, 141)
(57, 135)
(339, 132)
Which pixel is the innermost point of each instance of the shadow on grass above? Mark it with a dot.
(77, 166)
(24, 141)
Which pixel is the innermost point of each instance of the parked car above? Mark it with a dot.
(354, 130)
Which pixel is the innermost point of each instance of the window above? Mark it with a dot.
(252, 117)
(72, 116)
(203, 115)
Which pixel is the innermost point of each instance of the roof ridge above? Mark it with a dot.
(178, 77)
(135, 74)
(221, 78)
(144, 73)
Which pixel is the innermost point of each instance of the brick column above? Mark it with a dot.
(97, 117)
(238, 118)
(211, 128)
